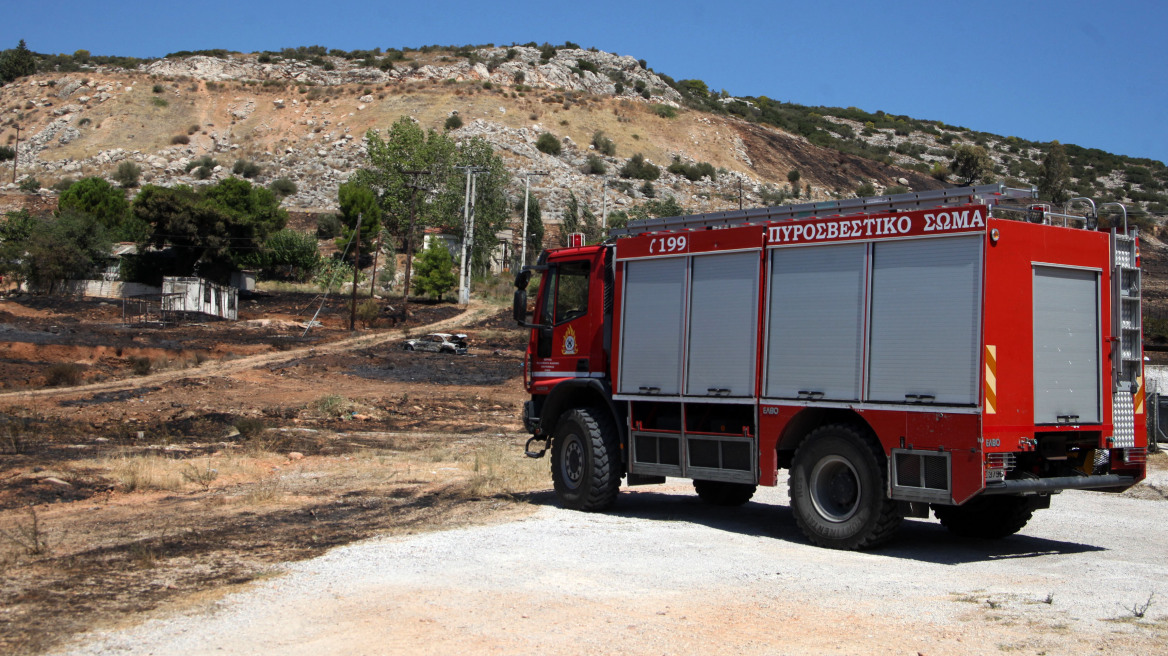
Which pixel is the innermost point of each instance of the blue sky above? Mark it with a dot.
(1089, 73)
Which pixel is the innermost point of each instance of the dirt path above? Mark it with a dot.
(475, 310)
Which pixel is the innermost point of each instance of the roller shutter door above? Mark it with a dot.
(723, 331)
(926, 321)
(815, 321)
(652, 325)
(1066, 346)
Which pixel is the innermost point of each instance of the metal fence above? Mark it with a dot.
(1157, 421)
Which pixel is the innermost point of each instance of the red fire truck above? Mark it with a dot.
(963, 350)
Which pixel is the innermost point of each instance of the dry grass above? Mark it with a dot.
(146, 472)
(500, 469)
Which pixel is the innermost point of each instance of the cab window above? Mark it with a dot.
(571, 292)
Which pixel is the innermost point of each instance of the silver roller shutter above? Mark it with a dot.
(1066, 346)
(723, 330)
(652, 322)
(815, 321)
(926, 321)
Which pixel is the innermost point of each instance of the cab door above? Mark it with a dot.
(562, 347)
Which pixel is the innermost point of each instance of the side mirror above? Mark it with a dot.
(519, 304)
(522, 279)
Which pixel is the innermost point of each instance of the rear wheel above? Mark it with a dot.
(721, 493)
(986, 517)
(586, 460)
(837, 490)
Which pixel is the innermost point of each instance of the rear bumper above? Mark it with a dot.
(1048, 485)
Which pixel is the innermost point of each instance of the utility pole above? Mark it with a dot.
(376, 252)
(739, 193)
(410, 239)
(467, 233)
(526, 195)
(356, 270)
(604, 204)
(15, 154)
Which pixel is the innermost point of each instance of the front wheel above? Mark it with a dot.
(408, 347)
(586, 460)
(986, 517)
(837, 490)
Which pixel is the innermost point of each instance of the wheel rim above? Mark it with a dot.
(572, 464)
(835, 489)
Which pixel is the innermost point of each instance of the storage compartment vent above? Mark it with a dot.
(920, 475)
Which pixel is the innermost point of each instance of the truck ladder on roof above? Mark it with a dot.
(985, 194)
(1126, 322)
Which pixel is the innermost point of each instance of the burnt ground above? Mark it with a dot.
(125, 490)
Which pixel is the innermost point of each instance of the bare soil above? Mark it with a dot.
(245, 445)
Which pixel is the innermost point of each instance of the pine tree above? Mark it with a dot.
(1056, 175)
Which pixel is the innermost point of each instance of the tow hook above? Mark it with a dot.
(530, 452)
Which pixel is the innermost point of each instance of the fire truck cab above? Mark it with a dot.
(956, 350)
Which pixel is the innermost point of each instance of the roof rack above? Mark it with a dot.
(990, 194)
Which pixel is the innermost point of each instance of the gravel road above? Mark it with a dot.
(665, 574)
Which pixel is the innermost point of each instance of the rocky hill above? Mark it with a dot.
(304, 118)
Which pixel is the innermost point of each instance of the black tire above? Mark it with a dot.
(586, 466)
(837, 489)
(408, 347)
(986, 517)
(721, 493)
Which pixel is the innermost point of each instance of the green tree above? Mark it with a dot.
(211, 232)
(358, 200)
(667, 206)
(98, 198)
(441, 195)
(579, 219)
(434, 272)
(15, 230)
(971, 163)
(71, 246)
(289, 254)
(16, 63)
(1055, 178)
(793, 178)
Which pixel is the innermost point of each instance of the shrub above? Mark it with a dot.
(693, 172)
(7, 153)
(62, 373)
(453, 122)
(603, 144)
(282, 187)
(664, 111)
(328, 226)
(866, 189)
(159, 102)
(140, 365)
(30, 184)
(640, 169)
(127, 175)
(157, 88)
(648, 191)
(548, 143)
(368, 311)
(203, 172)
(264, 58)
(595, 166)
(246, 168)
(205, 161)
(63, 184)
(180, 140)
